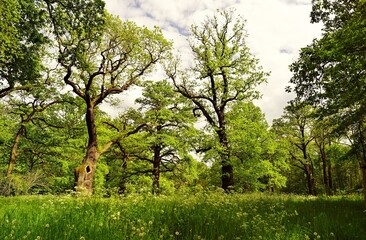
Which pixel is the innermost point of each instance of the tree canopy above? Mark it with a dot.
(22, 43)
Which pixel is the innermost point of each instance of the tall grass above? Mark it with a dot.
(185, 216)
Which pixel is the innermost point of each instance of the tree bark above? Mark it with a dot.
(363, 170)
(122, 182)
(363, 158)
(227, 172)
(156, 171)
(12, 158)
(326, 170)
(310, 179)
(84, 174)
(330, 178)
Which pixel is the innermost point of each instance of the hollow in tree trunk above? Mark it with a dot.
(84, 174)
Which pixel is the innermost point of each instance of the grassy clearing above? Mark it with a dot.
(201, 216)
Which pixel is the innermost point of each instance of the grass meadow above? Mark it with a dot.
(206, 215)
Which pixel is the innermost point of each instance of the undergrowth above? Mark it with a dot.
(204, 215)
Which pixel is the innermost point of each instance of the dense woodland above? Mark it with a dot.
(192, 128)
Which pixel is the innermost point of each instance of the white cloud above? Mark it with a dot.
(277, 30)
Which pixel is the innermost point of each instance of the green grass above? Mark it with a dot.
(202, 216)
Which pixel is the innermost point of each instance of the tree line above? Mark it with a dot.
(193, 127)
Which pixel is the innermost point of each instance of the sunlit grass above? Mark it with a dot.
(183, 216)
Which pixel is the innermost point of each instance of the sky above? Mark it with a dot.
(277, 30)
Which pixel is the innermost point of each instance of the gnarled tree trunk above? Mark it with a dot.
(84, 174)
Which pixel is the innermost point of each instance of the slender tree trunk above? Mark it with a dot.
(12, 158)
(156, 170)
(332, 190)
(122, 182)
(310, 179)
(326, 171)
(84, 174)
(330, 179)
(363, 170)
(363, 161)
(308, 166)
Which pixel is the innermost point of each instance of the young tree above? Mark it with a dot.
(169, 121)
(101, 56)
(166, 123)
(224, 72)
(322, 132)
(295, 127)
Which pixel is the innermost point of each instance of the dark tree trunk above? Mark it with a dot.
(84, 174)
(12, 158)
(326, 170)
(363, 158)
(122, 182)
(310, 179)
(363, 170)
(308, 164)
(330, 178)
(227, 172)
(156, 170)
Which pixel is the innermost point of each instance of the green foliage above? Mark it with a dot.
(99, 55)
(294, 130)
(346, 174)
(335, 64)
(51, 143)
(258, 162)
(33, 182)
(330, 73)
(99, 179)
(224, 73)
(220, 51)
(22, 42)
(76, 25)
(158, 133)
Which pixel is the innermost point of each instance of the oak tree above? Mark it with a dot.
(100, 56)
(224, 72)
(165, 124)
